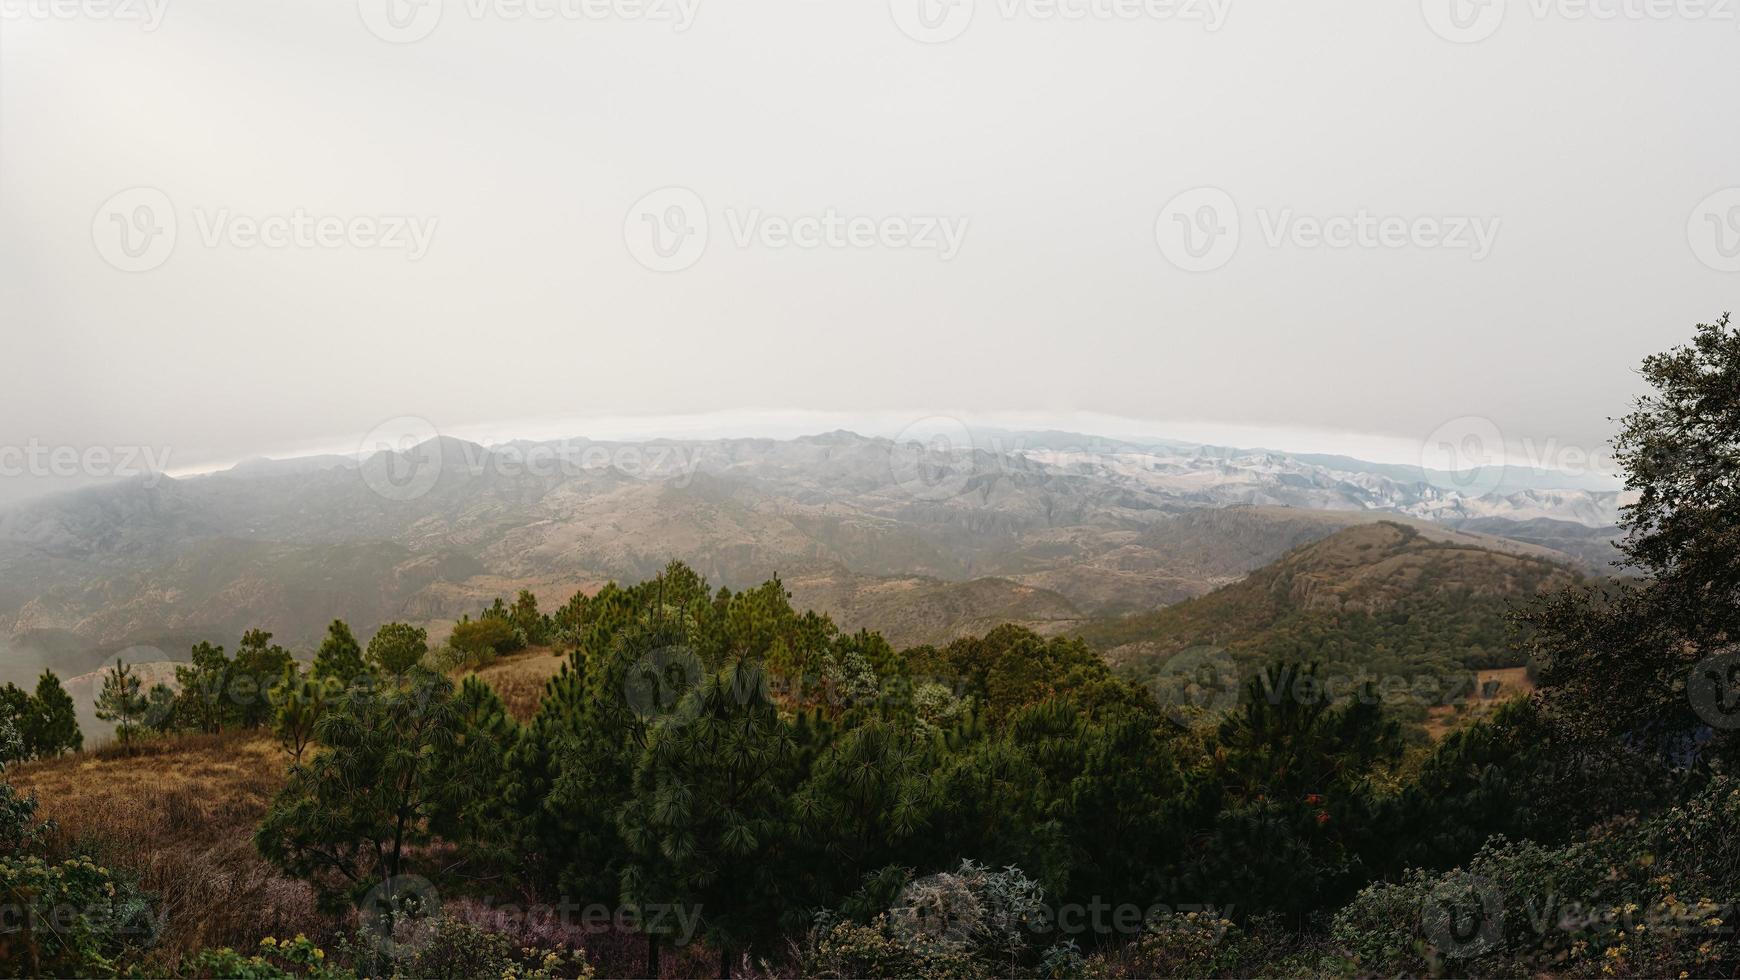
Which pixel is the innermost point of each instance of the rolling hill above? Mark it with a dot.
(1382, 602)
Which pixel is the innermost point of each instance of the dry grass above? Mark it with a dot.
(1491, 689)
(520, 678)
(180, 813)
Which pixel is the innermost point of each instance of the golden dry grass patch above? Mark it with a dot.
(180, 812)
(520, 679)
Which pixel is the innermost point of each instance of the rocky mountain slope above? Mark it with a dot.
(934, 542)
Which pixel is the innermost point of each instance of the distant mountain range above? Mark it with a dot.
(923, 541)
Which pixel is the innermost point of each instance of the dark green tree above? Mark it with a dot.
(161, 704)
(1291, 775)
(1653, 661)
(398, 647)
(351, 817)
(258, 668)
(708, 824)
(340, 658)
(532, 625)
(204, 702)
(480, 640)
(15, 714)
(301, 700)
(53, 725)
(120, 701)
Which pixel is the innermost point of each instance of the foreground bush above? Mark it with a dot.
(1654, 898)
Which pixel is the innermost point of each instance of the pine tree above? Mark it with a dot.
(204, 703)
(353, 816)
(301, 700)
(54, 725)
(15, 713)
(340, 657)
(397, 647)
(709, 822)
(258, 668)
(120, 701)
(161, 703)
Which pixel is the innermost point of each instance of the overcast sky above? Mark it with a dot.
(230, 228)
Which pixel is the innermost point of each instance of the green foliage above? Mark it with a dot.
(1649, 899)
(1012, 667)
(275, 960)
(52, 726)
(1520, 772)
(69, 918)
(397, 647)
(45, 722)
(1290, 778)
(447, 948)
(204, 703)
(1631, 661)
(532, 627)
(708, 822)
(259, 666)
(340, 657)
(301, 700)
(160, 709)
(969, 922)
(387, 780)
(121, 702)
(479, 641)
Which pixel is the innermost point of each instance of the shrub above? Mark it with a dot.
(71, 918)
(443, 947)
(1636, 900)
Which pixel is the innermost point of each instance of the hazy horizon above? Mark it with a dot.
(1348, 227)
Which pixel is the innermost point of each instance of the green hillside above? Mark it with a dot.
(1378, 602)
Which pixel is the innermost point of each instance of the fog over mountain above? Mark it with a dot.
(1047, 528)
